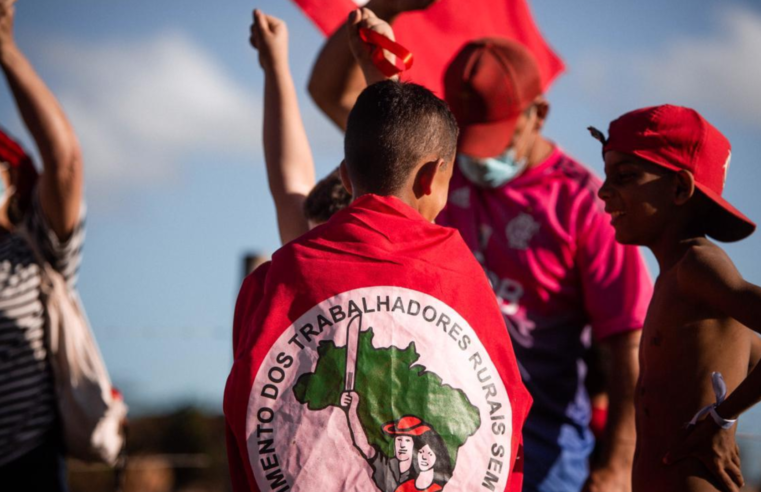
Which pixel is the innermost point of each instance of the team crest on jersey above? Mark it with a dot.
(384, 389)
(520, 230)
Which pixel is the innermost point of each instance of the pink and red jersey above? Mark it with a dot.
(550, 253)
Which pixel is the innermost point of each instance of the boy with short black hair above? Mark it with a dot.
(665, 169)
(384, 305)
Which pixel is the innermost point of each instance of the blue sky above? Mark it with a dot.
(166, 99)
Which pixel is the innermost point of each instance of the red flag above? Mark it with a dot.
(403, 306)
(436, 34)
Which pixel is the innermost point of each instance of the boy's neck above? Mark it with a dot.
(409, 198)
(672, 247)
(540, 151)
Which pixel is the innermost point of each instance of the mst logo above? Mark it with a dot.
(384, 389)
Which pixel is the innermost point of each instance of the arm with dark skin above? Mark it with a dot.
(60, 185)
(755, 351)
(614, 472)
(337, 79)
(288, 157)
(707, 274)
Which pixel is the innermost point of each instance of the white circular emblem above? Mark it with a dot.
(380, 388)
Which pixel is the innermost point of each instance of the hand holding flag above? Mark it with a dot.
(371, 40)
(436, 30)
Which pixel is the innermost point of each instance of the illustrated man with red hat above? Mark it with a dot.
(531, 216)
(665, 170)
(44, 212)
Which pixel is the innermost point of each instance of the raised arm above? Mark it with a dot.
(350, 403)
(60, 185)
(290, 168)
(337, 79)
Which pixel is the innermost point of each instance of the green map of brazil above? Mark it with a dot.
(390, 386)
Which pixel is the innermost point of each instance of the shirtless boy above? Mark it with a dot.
(665, 169)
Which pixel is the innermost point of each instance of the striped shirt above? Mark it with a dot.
(27, 399)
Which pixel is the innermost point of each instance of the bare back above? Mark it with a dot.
(684, 340)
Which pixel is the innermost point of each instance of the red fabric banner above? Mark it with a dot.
(373, 341)
(436, 34)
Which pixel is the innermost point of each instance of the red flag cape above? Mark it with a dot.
(436, 34)
(368, 352)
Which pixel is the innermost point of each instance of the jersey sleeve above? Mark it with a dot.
(616, 284)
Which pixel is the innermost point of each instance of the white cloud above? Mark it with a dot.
(140, 108)
(723, 70)
(720, 70)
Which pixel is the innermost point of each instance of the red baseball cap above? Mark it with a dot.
(678, 138)
(408, 425)
(488, 85)
(13, 154)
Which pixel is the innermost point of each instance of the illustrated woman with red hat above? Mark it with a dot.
(432, 460)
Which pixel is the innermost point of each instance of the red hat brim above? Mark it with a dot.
(406, 426)
(726, 224)
(484, 140)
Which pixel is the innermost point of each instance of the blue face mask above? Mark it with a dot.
(491, 172)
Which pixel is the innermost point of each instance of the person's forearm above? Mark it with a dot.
(620, 432)
(61, 182)
(336, 80)
(358, 433)
(744, 397)
(40, 111)
(290, 168)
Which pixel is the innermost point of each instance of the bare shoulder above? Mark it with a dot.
(706, 270)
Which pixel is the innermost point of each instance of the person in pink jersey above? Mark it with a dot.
(531, 216)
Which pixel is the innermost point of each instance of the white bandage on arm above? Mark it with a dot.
(720, 390)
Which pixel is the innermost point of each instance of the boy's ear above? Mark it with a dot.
(426, 176)
(345, 181)
(684, 186)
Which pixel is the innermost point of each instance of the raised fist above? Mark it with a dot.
(349, 400)
(269, 35)
(7, 12)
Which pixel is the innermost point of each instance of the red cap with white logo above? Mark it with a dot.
(678, 138)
